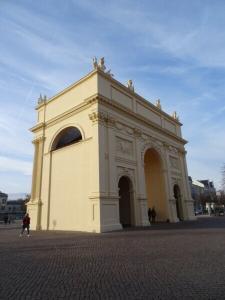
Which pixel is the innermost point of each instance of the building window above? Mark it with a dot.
(66, 137)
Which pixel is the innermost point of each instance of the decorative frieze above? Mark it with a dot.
(124, 147)
(126, 161)
(124, 171)
(110, 121)
(97, 116)
(174, 163)
(176, 180)
(137, 132)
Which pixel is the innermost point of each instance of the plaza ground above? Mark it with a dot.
(164, 261)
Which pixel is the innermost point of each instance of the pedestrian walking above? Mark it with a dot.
(6, 219)
(153, 215)
(26, 225)
(149, 214)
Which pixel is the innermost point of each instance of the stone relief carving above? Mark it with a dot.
(124, 147)
(137, 132)
(174, 163)
(110, 121)
(129, 130)
(97, 116)
(119, 126)
(176, 180)
(170, 148)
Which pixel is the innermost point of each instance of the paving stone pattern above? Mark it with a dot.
(166, 261)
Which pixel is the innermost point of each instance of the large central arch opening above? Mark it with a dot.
(125, 202)
(155, 186)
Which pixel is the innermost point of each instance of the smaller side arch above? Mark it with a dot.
(126, 201)
(178, 198)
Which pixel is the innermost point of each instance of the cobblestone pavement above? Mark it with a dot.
(166, 261)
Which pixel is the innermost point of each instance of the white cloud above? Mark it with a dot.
(15, 165)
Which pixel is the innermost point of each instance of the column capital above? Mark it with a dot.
(38, 140)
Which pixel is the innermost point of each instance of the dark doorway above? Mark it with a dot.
(177, 196)
(125, 188)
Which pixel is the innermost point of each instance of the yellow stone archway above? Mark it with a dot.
(155, 185)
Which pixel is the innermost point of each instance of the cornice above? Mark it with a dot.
(37, 127)
(103, 100)
(98, 116)
(86, 103)
(76, 83)
(83, 105)
(117, 84)
(41, 104)
(133, 94)
(38, 140)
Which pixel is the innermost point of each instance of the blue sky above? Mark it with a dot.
(173, 50)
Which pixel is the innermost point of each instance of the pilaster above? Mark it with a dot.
(35, 204)
(188, 201)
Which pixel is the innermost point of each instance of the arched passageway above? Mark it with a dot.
(125, 202)
(177, 196)
(155, 186)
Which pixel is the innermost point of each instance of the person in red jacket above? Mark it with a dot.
(26, 225)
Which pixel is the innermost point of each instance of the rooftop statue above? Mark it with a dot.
(175, 116)
(130, 85)
(100, 65)
(95, 63)
(42, 99)
(158, 104)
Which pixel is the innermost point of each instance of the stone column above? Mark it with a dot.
(34, 205)
(95, 221)
(141, 183)
(188, 201)
(109, 198)
(171, 201)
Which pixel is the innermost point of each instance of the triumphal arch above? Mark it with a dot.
(103, 156)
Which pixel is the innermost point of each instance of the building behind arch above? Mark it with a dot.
(103, 156)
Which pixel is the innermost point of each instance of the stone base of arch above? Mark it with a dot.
(173, 212)
(143, 207)
(111, 227)
(33, 208)
(190, 211)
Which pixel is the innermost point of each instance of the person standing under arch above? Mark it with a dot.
(149, 214)
(153, 214)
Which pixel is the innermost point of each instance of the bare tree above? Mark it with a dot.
(221, 197)
(223, 177)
